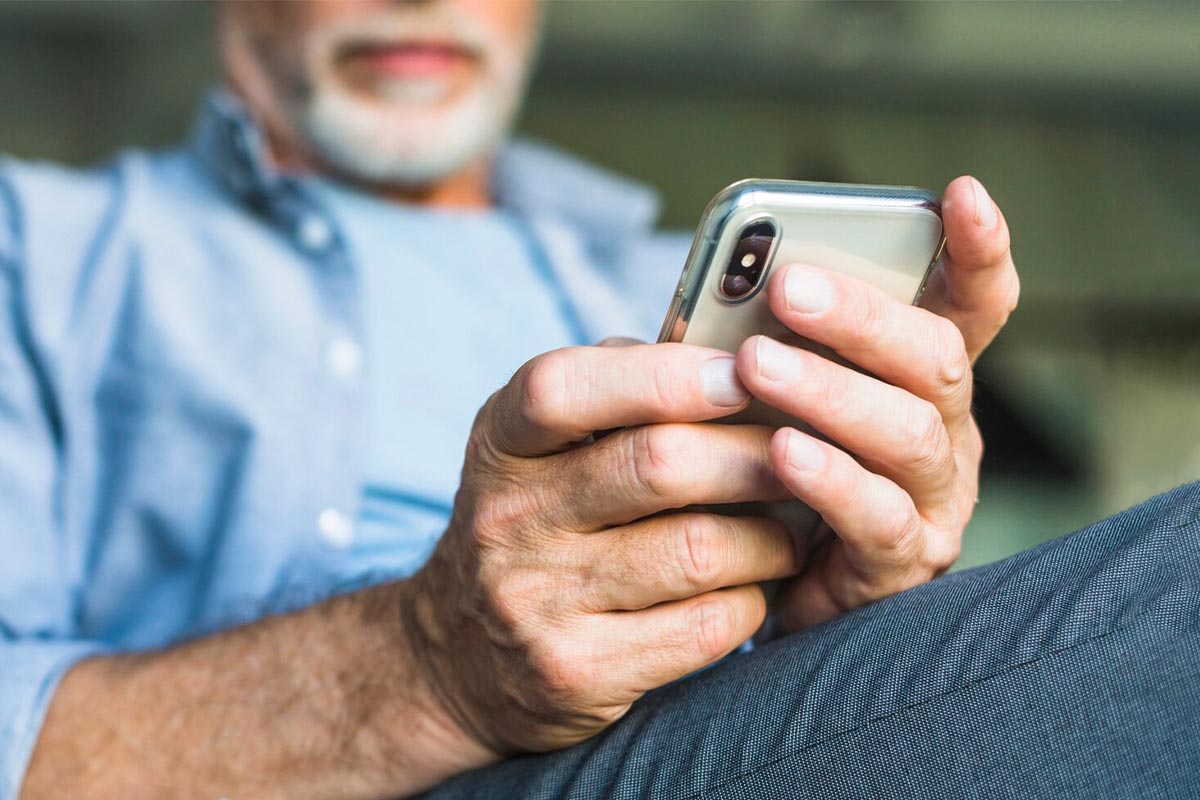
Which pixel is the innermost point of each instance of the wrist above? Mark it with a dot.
(416, 723)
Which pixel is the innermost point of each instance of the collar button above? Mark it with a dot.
(314, 234)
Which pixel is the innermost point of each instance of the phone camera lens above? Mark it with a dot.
(748, 261)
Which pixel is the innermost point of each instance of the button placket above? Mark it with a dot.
(343, 356)
(313, 233)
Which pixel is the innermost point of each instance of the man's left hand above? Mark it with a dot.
(898, 490)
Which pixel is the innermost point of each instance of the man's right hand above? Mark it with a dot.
(554, 600)
(559, 594)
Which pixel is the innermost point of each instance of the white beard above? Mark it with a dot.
(407, 133)
(405, 146)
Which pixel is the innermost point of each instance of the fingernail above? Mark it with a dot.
(806, 291)
(720, 385)
(985, 209)
(804, 454)
(775, 361)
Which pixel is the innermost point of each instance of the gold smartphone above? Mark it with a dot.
(888, 236)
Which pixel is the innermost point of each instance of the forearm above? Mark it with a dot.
(324, 702)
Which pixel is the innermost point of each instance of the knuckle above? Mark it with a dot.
(559, 672)
(663, 385)
(1010, 296)
(714, 628)
(954, 364)
(869, 590)
(832, 391)
(545, 389)
(927, 439)
(498, 515)
(976, 439)
(655, 459)
(699, 551)
(508, 599)
(1013, 293)
(942, 553)
(838, 483)
(900, 538)
(871, 326)
(481, 442)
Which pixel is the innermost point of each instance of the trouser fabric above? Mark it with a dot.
(1068, 671)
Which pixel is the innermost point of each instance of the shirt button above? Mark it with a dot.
(344, 357)
(335, 528)
(314, 234)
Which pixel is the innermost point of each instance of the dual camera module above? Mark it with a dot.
(748, 262)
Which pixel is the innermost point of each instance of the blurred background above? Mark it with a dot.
(1082, 119)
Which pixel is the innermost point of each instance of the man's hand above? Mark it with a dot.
(900, 487)
(559, 594)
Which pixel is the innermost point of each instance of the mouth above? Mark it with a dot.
(415, 59)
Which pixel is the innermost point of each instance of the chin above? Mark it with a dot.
(410, 133)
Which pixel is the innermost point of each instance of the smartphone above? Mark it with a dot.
(888, 236)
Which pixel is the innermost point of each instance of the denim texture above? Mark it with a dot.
(1068, 671)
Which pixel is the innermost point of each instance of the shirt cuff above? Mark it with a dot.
(29, 673)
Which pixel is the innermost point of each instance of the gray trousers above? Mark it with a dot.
(1068, 671)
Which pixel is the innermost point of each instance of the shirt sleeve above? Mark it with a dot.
(37, 645)
(29, 673)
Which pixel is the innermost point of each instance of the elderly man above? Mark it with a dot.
(244, 555)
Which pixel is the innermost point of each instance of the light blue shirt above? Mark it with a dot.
(224, 392)
(439, 337)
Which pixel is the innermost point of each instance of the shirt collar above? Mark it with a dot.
(229, 143)
(529, 178)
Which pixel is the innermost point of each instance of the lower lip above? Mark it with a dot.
(406, 62)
